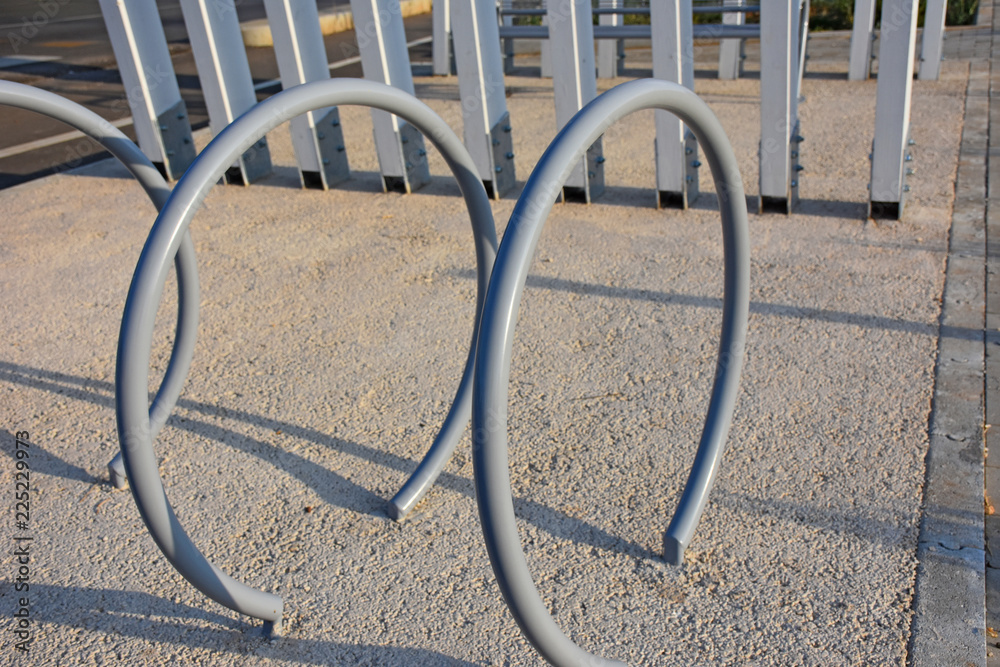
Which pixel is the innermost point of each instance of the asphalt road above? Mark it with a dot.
(65, 49)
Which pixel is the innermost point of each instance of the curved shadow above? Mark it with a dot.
(134, 341)
(756, 307)
(146, 617)
(887, 530)
(645, 197)
(333, 488)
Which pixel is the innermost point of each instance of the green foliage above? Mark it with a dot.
(961, 12)
(831, 14)
(824, 14)
(839, 14)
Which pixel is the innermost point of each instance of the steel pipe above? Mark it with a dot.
(731, 51)
(536, 11)
(503, 298)
(52, 105)
(803, 46)
(644, 11)
(610, 51)
(700, 31)
(727, 9)
(135, 337)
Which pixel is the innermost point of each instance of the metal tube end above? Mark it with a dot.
(272, 629)
(116, 469)
(673, 550)
(397, 511)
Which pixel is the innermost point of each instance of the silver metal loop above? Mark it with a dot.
(490, 393)
(147, 284)
(57, 107)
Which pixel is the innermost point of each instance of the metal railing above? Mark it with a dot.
(489, 422)
(135, 338)
(142, 169)
(482, 391)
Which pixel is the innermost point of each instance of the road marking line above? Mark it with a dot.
(18, 61)
(122, 122)
(342, 63)
(83, 17)
(71, 19)
(67, 44)
(52, 141)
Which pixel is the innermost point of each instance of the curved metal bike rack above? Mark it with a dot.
(147, 284)
(490, 394)
(52, 105)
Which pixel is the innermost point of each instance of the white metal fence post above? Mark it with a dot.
(574, 80)
(890, 147)
(317, 137)
(378, 27)
(673, 60)
(545, 54)
(158, 112)
(930, 46)
(224, 73)
(507, 44)
(778, 104)
(731, 50)
(441, 55)
(609, 50)
(862, 35)
(487, 130)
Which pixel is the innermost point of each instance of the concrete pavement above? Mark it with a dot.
(332, 334)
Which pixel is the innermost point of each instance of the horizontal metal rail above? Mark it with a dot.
(643, 11)
(635, 31)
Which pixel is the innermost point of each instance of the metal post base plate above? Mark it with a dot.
(594, 187)
(415, 160)
(689, 193)
(892, 210)
(178, 145)
(787, 203)
(502, 146)
(333, 157)
(254, 165)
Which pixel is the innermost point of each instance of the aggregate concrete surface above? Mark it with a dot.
(334, 327)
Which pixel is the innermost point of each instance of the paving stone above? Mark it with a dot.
(951, 630)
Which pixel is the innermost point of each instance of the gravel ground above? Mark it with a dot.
(334, 326)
